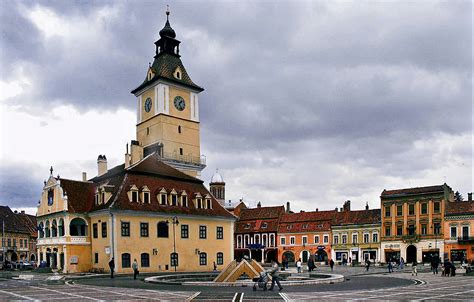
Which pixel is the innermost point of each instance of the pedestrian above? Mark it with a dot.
(402, 263)
(367, 264)
(435, 264)
(453, 270)
(298, 265)
(390, 266)
(311, 265)
(215, 266)
(414, 271)
(447, 268)
(331, 264)
(135, 269)
(275, 275)
(112, 267)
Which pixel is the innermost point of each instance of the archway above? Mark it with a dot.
(32, 257)
(411, 253)
(272, 255)
(304, 256)
(321, 256)
(289, 256)
(78, 227)
(14, 257)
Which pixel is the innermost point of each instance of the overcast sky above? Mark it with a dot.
(310, 102)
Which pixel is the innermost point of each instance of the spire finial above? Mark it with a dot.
(51, 170)
(167, 12)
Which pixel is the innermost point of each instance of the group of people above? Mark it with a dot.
(134, 268)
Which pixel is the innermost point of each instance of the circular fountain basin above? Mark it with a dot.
(206, 279)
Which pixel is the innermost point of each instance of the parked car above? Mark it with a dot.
(23, 265)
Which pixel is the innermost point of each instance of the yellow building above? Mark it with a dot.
(151, 208)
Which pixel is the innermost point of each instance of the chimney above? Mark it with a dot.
(347, 206)
(259, 205)
(22, 211)
(101, 165)
(288, 207)
(469, 196)
(317, 210)
(367, 205)
(84, 176)
(127, 157)
(136, 152)
(335, 209)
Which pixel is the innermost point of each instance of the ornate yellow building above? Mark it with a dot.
(151, 208)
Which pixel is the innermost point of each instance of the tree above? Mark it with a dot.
(458, 197)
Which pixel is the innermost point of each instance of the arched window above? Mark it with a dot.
(78, 227)
(174, 259)
(264, 239)
(54, 229)
(125, 260)
(239, 241)
(220, 258)
(41, 230)
(163, 229)
(202, 259)
(145, 260)
(272, 240)
(61, 227)
(47, 230)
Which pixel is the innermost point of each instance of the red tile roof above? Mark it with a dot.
(30, 223)
(308, 216)
(262, 213)
(358, 217)
(414, 191)
(460, 208)
(260, 219)
(306, 222)
(80, 195)
(13, 224)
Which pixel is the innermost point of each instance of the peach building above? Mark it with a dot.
(459, 234)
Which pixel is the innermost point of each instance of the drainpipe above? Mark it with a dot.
(112, 237)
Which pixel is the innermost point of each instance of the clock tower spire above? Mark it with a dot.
(168, 109)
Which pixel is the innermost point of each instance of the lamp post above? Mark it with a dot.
(175, 222)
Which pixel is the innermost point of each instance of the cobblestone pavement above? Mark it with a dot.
(378, 285)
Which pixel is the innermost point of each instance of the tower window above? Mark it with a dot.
(179, 129)
(180, 151)
(147, 130)
(178, 75)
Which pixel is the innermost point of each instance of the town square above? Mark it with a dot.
(236, 151)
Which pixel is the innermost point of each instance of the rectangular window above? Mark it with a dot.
(465, 232)
(387, 211)
(387, 231)
(316, 239)
(125, 260)
(104, 229)
(184, 200)
(411, 229)
(143, 229)
(145, 260)
(282, 240)
(9, 242)
(366, 238)
(96, 258)
(292, 240)
(399, 210)
(354, 238)
(424, 208)
(336, 239)
(199, 203)
(305, 240)
(454, 232)
(125, 226)
(344, 239)
(399, 230)
(202, 259)
(94, 230)
(14, 242)
(220, 232)
(437, 228)
(134, 196)
(184, 231)
(411, 209)
(220, 258)
(202, 232)
(375, 237)
(26, 243)
(146, 197)
(326, 239)
(424, 229)
(437, 207)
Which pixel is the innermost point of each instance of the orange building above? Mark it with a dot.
(305, 234)
(459, 235)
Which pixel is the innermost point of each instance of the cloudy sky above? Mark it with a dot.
(310, 102)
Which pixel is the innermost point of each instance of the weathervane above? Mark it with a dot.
(167, 11)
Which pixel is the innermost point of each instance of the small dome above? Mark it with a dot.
(167, 30)
(217, 177)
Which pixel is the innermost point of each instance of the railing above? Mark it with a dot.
(197, 160)
(466, 239)
(79, 239)
(411, 238)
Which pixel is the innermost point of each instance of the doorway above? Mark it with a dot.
(411, 254)
(304, 255)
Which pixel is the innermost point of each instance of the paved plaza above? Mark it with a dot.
(358, 285)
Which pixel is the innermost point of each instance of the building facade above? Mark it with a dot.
(459, 234)
(256, 233)
(304, 235)
(18, 232)
(412, 223)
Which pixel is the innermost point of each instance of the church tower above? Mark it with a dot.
(168, 110)
(217, 187)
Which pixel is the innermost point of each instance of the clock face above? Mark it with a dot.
(179, 103)
(148, 105)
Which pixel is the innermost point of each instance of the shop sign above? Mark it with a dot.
(321, 247)
(107, 250)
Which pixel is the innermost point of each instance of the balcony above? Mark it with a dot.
(466, 240)
(410, 238)
(187, 159)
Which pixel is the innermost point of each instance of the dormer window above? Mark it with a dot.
(177, 73)
(247, 226)
(102, 197)
(145, 194)
(288, 227)
(163, 197)
(174, 198)
(134, 196)
(184, 200)
(199, 203)
(207, 202)
(305, 226)
(264, 225)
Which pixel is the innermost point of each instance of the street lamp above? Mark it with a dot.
(175, 222)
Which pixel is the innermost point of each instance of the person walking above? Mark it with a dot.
(311, 265)
(414, 271)
(135, 269)
(402, 263)
(390, 266)
(112, 267)
(298, 265)
(367, 264)
(275, 275)
(435, 264)
(331, 264)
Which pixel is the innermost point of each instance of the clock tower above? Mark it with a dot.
(168, 110)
